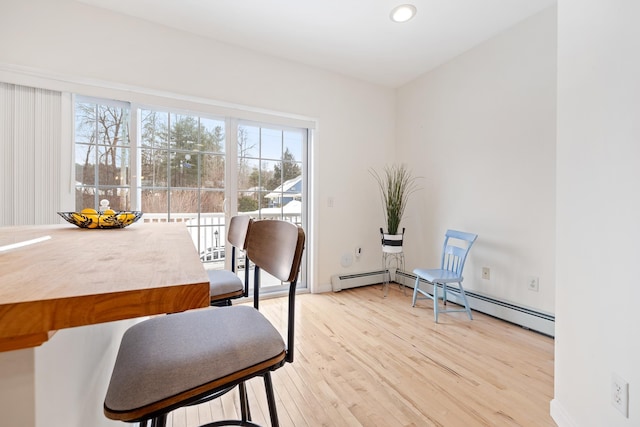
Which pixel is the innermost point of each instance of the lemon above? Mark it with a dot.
(90, 219)
(78, 219)
(126, 218)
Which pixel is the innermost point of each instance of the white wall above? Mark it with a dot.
(598, 211)
(355, 130)
(17, 388)
(61, 383)
(481, 130)
(72, 372)
(355, 119)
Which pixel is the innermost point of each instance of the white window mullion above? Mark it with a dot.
(231, 168)
(135, 132)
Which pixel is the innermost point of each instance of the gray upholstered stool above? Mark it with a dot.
(225, 285)
(167, 361)
(179, 359)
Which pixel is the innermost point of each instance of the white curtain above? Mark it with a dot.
(31, 159)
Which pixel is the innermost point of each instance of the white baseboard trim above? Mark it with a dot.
(321, 288)
(560, 415)
(519, 315)
(354, 280)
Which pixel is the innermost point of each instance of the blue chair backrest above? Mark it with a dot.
(454, 256)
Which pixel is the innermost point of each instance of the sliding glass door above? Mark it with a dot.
(271, 176)
(182, 163)
(192, 168)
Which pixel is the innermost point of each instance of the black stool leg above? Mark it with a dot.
(244, 402)
(271, 399)
(159, 421)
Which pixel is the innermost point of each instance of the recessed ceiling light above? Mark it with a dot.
(403, 13)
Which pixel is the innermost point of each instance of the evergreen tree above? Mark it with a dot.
(285, 170)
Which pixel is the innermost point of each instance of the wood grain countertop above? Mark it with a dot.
(72, 277)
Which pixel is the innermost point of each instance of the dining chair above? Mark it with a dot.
(225, 285)
(454, 254)
(171, 361)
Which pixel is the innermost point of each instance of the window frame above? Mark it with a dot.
(126, 147)
(231, 160)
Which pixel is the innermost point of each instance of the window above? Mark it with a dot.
(102, 154)
(176, 167)
(270, 171)
(182, 164)
(271, 179)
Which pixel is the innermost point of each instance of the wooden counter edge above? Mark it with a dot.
(24, 341)
(33, 331)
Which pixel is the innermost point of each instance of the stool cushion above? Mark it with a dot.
(222, 282)
(169, 355)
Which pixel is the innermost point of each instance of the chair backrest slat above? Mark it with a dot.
(239, 226)
(238, 235)
(276, 247)
(455, 250)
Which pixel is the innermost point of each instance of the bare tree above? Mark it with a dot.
(103, 131)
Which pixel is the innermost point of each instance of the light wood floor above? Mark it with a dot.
(362, 360)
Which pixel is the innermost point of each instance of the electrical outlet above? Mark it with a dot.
(620, 395)
(533, 284)
(486, 273)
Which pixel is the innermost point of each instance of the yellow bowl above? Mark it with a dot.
(99, 220)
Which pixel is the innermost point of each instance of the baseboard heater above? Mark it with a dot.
(348, 281)
(526, 317)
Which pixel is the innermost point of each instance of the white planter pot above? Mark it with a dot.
(392, 243)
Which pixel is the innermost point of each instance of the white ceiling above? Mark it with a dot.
(351, 37)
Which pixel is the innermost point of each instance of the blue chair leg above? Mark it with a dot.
(466, 304)
(435, 301)
(415, 291)
(444, 294)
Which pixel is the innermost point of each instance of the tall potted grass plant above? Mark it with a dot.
(396, 184)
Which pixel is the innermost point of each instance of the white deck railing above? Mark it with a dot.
(211, 245)
(208, 230)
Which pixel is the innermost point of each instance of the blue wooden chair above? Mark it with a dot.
(454, 255)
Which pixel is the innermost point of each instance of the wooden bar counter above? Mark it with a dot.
(75, 277)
